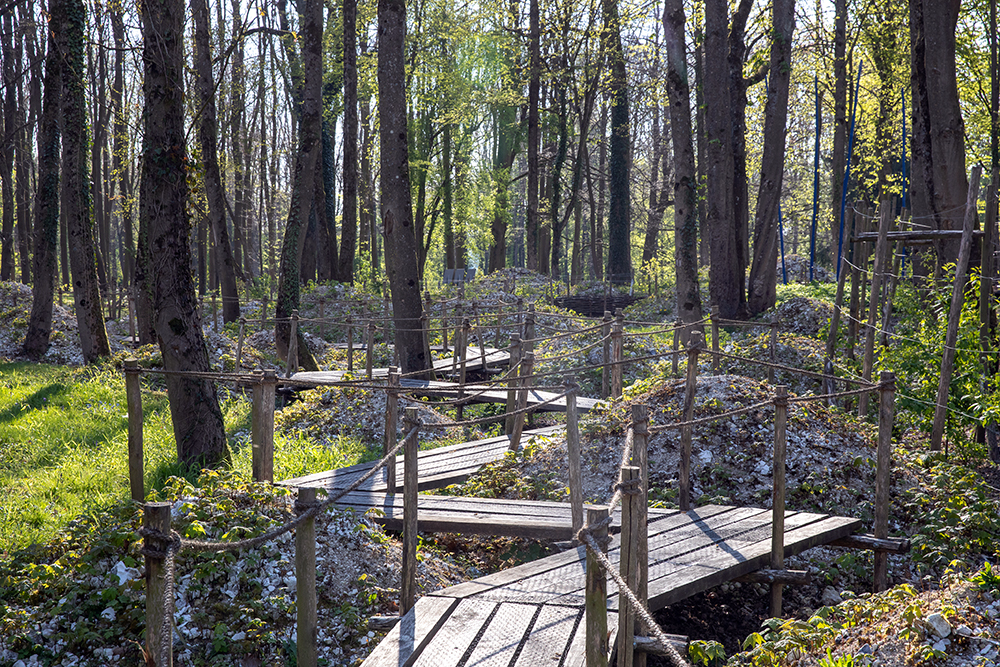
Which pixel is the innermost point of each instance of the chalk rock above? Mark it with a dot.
(830, 597)
(939, 625)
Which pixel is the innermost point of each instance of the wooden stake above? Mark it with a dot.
(350, 344)
(773, 351)
(463, 362)
(370, 350)
(133, 398)
(262, 427)
(573, 455)
(215, 312)
(512, 382)
(305, 581)
(715, 339)
(528, 340)
(596, 605)
(408, 589)
(527, 368)
(239, 343)
(263, 314)
(629, 565)
(391, 417)
(778, 494)
(690, 389)
(617, 353)
(954, 313)
(156, 517)
(883, 470)
(606, 371)
(640, 459)
(838, 303)
(676, 347)
(881, 257)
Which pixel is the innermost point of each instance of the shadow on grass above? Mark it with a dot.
(36, 401)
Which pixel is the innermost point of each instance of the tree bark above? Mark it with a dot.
(46, 241)
(738, 109)
(208, 140)
(839, 158)
(764, 272)
(685, 187)
(198, 426)
(397, 209)
(534, 83)
(7, 153)
(349, 224)
(619, 208)
(76, 205)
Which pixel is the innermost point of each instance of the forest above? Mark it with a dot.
(247, 245)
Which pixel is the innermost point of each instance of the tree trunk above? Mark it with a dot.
(685, 188)
(763, 273)
(397, 209)
(7, 152)
(76, 206)
(738, 109)
(307, 161)
(208, 140)
(939, 182)
(725, 281)
(701, 175)
(839, 158)
(534, 83)
(120, 148)
(349, 224)
(23, 163)
(619, 209)
(36, 341)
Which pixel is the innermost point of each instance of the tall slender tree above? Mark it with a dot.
(349, 224)
(619, 202)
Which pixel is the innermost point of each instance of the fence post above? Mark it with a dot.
(512, 383)
(528, 340)
(133, 398)
(350, 344)
(305, 581)
(629, 563)
(322, 316)
(690, 389)
(463, 355)
(370, 349)
(883, 468)
(596, 605)
(457, 352)
(239, 343)
(527, 368)
(606, 371)
(617, 353)
(156, 517)
(676, 346)
(131, 315)
(715, 339)
(875, 295)
(263, 313)
(640, 459)
(778, 493)
(215, 312)
(773, 349)
(391, 417)
(573, 455)
(408, 589)
(262, 427)
(293, 346)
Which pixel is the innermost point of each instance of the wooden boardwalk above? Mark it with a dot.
(533, 614)
(536, 519)
(473, 362)
(484, 394)
(436, 468)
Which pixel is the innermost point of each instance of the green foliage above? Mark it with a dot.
(814, 290)
(505, 479)
(708, 653)
(987, 579)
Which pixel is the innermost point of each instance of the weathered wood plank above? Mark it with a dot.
(493, 357)
(504, 634)
(484, 394)
(550, 636)
(454, 639)
(410, 635)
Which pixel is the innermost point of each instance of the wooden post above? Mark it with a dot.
(528, 340)
(859, 257)
(391, 417)
(457, 352)
(263, 314)
(370, 351)
(676, 347)
(305, 581)
(156, 516)
(573, 455)
(838, 302)
(293, 346)
(596, 605)
(629, 564)
(481, 340)
(350, 344)
(262, 427)
(883, 469)
(606, 371)
(133, 398)
(881, 257)
(239, 343)
(617, 353)
(215, 312)
(527, 368)
(778, 493)
(408, 589)
(640, 459)
(773, 345)
(715, 339)
(131, 316)
(322, 316)
(512, 382)
(954, 313)
(690, 389)
(464, 353)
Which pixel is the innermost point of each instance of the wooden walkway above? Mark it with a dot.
(436, 468)
(533, 614)
(473, 362)
(537, 519)
(483, 394)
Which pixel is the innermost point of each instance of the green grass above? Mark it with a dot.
(64, 446)
(814, 290)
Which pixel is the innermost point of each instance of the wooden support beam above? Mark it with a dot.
(651, 646)
(512, 383)
(629, 564)
(773, 576)
(918, 235)
(872, 543)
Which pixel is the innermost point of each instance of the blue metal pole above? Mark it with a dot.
(812, 233)
(847, 170)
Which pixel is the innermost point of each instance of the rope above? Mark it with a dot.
(493, 418)
(790, 369)
(713, 418)
(626, 455)
(573, 353)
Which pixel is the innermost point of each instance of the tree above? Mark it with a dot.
(207, 138)
(76, 204)
(685, 188)
(619, 205)
(9, 127)
(397, 207)
(839, 157)
(348, 238)
(763, 273)
(194, 408)
(534, 84)
(46, 242)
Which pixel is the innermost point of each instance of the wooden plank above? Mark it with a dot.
(493, 357)
(550, 636)
(506, 631)
(484, 394)
(411, 634)
(453, 639)
(576, 654)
